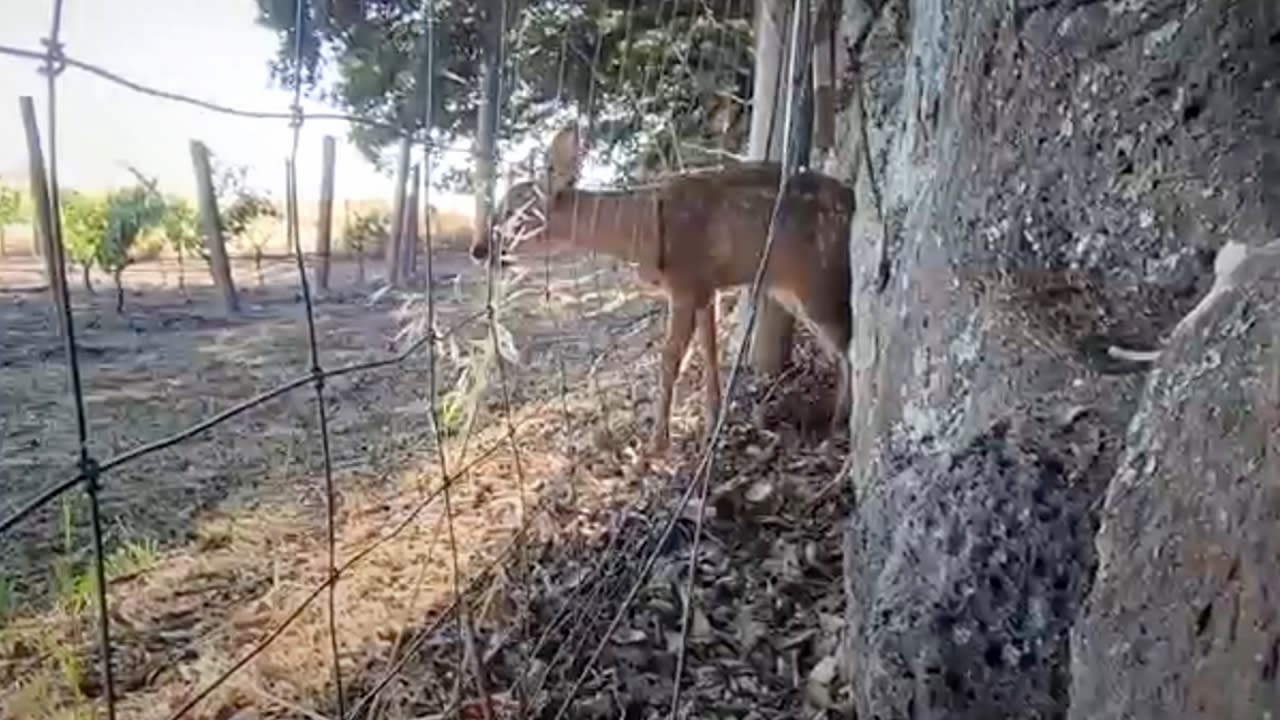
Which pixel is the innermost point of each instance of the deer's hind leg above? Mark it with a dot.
(680, 321)
(834, 335)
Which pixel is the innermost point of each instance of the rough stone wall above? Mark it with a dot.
(1184, 618)
(1056, 177)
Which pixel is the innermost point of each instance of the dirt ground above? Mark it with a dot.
(216, 543)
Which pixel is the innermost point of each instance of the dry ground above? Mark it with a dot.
(216, 543)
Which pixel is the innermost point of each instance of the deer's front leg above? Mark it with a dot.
(711, 381)
(679, 329)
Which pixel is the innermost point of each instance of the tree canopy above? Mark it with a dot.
(647, 72)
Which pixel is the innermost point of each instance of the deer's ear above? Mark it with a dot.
(565, 159)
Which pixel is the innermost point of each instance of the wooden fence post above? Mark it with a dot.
(324, 224)
(394, 252)
(409, 233)
(51, 248)
(219, 264)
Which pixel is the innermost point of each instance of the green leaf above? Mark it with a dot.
(661, 66)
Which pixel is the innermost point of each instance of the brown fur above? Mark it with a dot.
(697, 232)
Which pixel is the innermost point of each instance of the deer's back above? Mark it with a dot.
(715, 226)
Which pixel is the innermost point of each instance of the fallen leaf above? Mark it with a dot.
(818, 685)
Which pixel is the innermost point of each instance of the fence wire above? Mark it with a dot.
(606, 577)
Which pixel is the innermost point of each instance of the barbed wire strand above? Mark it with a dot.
(608, 582)
(313, 345)
(427, 78)
(52, 492)
(573, 229)
(637, 104)
(458, 475)
(351, 562)
(426, 633)
(595, 256)
(412, 605)
(638, 101)
(648, 74)
(501, 366)
(701, 475)
(566, 427)
(690, 599)
(89, 470)
(461, 616)
(67, 61)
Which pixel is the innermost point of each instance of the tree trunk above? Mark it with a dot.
(219, 264)
(85, 272)
(824, 90)
(394, 252)
(119, 285)
(774, 328)
(799, 123)
(487, 119)
(182, 270)
(324, 222)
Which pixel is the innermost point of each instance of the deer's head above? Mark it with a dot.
(537, 210)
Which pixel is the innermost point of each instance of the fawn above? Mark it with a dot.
(692, 234)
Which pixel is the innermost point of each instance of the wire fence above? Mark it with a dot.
(612, 574)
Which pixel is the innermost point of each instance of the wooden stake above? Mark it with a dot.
(324, 224)
(211, 228)
(54, 264)
(394, 251)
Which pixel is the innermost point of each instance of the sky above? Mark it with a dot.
(211, 49)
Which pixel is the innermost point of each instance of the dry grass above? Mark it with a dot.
(231, 525)
(238, 512)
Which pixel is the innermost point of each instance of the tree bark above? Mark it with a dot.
(487, 119)
(772, 338)
(824, 97)
(219, 263)
(393, 250)
(119, 285)
(182, 269)
(324, 223)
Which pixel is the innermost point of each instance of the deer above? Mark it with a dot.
(693, 234)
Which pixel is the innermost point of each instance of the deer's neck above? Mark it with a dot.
(623, 224)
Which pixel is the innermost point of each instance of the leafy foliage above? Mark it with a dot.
(84, 225)
(180, 227)
(10, 205)
(131, 212)
(366, 231)
(10, 210)
(663, 70)
(239, 204)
